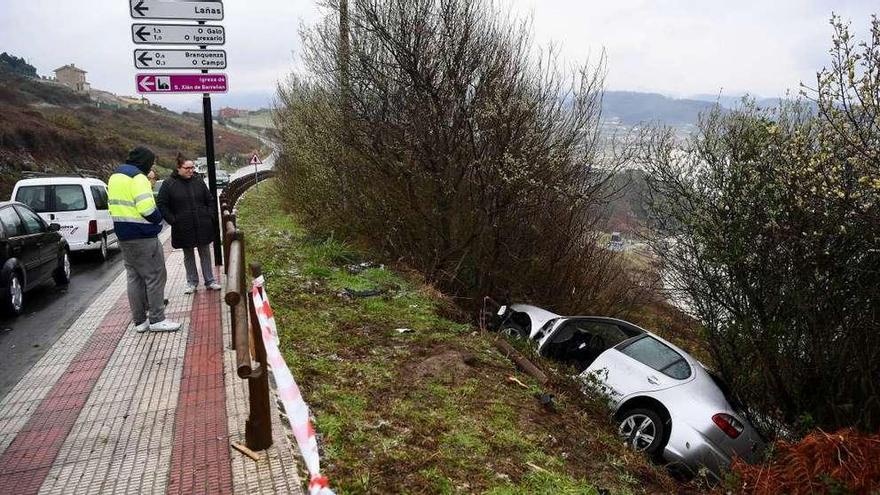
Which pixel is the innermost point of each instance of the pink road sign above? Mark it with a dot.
(180, 83)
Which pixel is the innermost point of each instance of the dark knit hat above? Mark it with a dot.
(142, 158)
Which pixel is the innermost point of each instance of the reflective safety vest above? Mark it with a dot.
(132, 205)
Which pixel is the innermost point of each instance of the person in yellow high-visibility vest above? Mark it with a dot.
(137, 222)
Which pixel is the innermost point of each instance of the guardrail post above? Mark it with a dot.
(258, 429)
(247, 339)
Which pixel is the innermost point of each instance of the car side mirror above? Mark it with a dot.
(54, 227)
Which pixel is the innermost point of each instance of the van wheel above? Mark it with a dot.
(103, 252)
(13, 302)
(62, 272)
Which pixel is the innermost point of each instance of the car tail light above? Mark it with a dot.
(93, 227)
(728, 424)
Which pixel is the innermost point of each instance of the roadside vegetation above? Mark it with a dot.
(431, 134)
(768, 221)
(435, 135)
(431, 409)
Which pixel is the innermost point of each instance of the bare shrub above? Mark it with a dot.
(441, 138)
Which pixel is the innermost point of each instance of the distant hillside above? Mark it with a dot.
(631, 108)
(48, 127)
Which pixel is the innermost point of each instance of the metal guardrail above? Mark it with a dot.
(247, 339)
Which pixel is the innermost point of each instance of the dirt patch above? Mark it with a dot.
(451, 366)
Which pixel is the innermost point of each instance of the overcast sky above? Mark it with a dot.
(674, 47)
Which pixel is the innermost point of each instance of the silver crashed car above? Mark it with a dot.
(665, 402)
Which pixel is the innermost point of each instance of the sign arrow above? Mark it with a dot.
(178, 34)
(180, 59)
(145, 83)
(140, 9)
(142, 33)
(157, 84)
(194, 10)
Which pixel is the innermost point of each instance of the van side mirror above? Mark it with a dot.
(54, 227)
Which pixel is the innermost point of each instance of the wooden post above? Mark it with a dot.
(258, 429)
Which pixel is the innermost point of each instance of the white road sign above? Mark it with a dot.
(180, 59)
(161, 9)
(177, 34)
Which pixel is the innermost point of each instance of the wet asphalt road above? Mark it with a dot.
(49, 310)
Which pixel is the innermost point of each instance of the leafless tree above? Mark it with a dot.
(458, 150)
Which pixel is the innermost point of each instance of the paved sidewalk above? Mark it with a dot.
(109, 410)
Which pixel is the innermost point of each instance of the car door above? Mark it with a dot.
(638, 365)
(42, 241)
(20, 245)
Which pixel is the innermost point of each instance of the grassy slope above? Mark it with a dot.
(431, 411)
(46, 127)
(261, 119)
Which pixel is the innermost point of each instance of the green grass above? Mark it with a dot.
(430, 411)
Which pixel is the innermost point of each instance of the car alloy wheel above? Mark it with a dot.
(642, 430)
(65, 263)
(16, 294)
(62, 271)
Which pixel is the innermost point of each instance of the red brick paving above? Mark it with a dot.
(26, 462)
(200, 460)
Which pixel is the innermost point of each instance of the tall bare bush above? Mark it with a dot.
(439, 136)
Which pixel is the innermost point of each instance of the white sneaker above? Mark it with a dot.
(214, 286)
(143, 327)
(164, 326)
(190, 288)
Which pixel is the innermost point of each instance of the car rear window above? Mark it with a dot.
(657, 355)
(37, 197)
(69, 197)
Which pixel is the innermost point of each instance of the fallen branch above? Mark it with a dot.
(523, 363)
(246, 451)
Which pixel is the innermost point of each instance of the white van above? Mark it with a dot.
(78, 204)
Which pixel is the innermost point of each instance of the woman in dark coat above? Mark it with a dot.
(186, 204)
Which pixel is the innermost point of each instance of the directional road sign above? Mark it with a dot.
(177, 34)
(181, 83)
(160, 9)
(180, 59)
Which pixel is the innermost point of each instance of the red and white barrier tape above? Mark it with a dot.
(297, 410)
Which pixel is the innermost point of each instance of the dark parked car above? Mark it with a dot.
(31, 253)
(222, 178)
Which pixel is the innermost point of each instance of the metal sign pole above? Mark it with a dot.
(212, 169)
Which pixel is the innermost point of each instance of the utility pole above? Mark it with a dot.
(344, 54)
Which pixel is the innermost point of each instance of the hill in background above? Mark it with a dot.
(47, 127)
